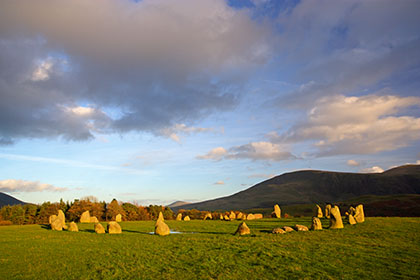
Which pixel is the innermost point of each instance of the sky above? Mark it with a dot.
(155, 101)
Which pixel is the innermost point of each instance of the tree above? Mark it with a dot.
(113, 209)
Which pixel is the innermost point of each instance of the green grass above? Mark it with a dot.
(380, 248)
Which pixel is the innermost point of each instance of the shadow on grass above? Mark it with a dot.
(135, 231)
(45, 226)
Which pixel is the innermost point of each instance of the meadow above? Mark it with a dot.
(380, 248)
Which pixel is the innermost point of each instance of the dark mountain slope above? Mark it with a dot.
(312, 186)
(6, 199)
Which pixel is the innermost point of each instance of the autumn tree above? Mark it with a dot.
(113, 209)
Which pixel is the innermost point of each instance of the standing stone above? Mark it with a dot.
(226, 218)
(187, 218)
(85, 218)
(56, 224)
(277, 212)
(113, 228)
(278, 231)
(93, 219)
(359, 216)
(352, 221)
(232, 215)
(162, 229)
(335, 220)
(352, 211)
(318, 212)
(239, 216)
(208, 216)
(99, 228)
(51, 218)
(160, 217)
(118, 218)
(250, 217)
(258, 216)
(73, 227)
(243, 229)
(328, 211)
(288, 229)
(61, 217)
(179, 217)
(316, 224)
(301, 228)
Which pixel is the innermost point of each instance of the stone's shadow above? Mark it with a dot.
(45, 226)
(87, 230)
(266, 231)
(134, 231)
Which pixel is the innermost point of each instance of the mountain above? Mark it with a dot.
(6, 199)
(313, 186)
(177, 204)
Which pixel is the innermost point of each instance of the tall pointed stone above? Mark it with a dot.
(232, 215)
(179, 217)
(359, 216)
(61, 217)
(277, 212)
(335, 218)
(160, 217)
(118, 218)
(318, 212)
(327, 211)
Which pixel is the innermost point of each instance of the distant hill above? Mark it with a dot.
(6, 199)
(313, 186)
(177, 204)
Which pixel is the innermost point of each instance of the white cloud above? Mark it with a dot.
(352, 162)
(219, 183)
(215, 154)
(12, 185)
(357, 125)
(373, 169)
(175, 131)
(253, 151)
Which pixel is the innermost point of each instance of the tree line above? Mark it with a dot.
(39, 214)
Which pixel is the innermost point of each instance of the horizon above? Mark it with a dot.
(161, 101)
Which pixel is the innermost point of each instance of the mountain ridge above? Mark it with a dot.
(316, 186)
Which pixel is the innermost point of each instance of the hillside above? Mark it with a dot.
(177, 204)
(6, 199)
(312, 186)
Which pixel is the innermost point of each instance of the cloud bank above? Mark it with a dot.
(142, 66)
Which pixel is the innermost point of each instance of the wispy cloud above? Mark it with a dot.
(73, 163)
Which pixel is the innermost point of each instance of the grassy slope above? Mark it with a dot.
(380, 248)
(399, 205)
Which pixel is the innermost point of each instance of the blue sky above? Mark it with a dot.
(158, 101)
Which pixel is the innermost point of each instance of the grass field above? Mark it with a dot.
(380, 248)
